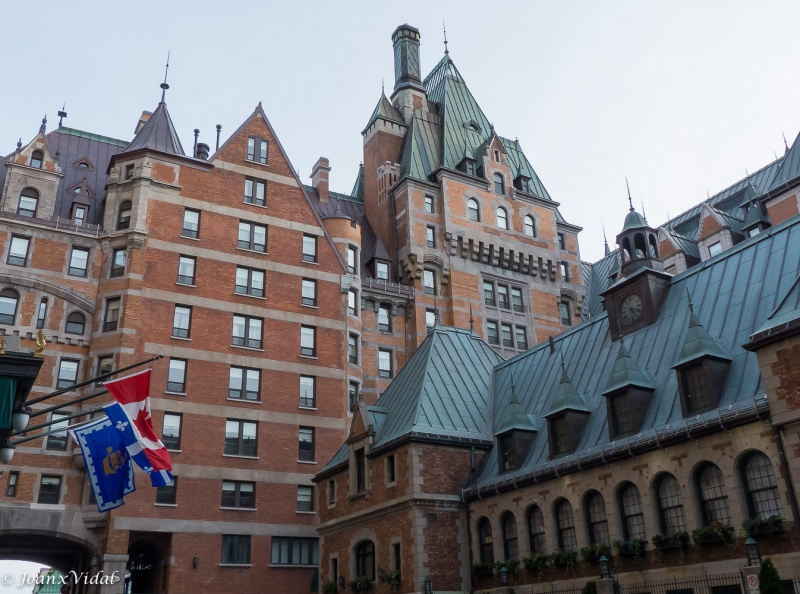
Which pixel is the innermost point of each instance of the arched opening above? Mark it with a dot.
(712, 494)
(670, 504)
(596, 519)
(365, 559)
(760, 487)
(530, 226)
(485, 541)
(510, 540)
(44, 549)
(9, 299)
(536, 530)
(142, 570)
(36, 159)
(626, 250)
(502, 218)
(124, 219)
(565, 527)
(28, 202)
(630, 505)
(640, 248)
(473, 210)
(76, 323)
(653, 245)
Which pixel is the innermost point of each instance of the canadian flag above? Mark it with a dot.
(131, 416)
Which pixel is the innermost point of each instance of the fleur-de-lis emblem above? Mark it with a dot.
(148, 469)
(121, 426)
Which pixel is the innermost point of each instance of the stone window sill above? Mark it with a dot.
(306, 461)
(307, 408)
(181, 338)
(174, 451)
(175, 393)
(249, 295)
(243, 400)
(306, 513)
(238, 456)
(247, 509)
(243, 565)
(190, 238)
(252, 251)
(286, 566)
(309, 357)
(166, 504)
(310, 263)
(186, 285)
(246, 348)
(312, 307)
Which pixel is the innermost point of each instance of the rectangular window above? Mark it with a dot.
(331, 492)
(522, 338)
(696, 389)
(352, 302)
(390, 470)
(67, 373)
(235, 549)
(78, 262)
(352, 349)
(176, 377)
(382, 270)
(352, 394)
(470, 168)
(27, 205)
(181, 321)
(502, 297)
(308, 391)
(384, 319)
(488, 294)
(41, 313)
(562, 241)
(13, 479)
(129, 171)
(241, 438)
(351, 260)
(255, 192)
(430, 236)
(257, 150)
(620, 411)
(491, 332)
(186, 270)
(508, 339)
(79, 215)
(384, 363)
(105, 365)
(305, 498)
(118, 263)
(171, 433)
(18, 251)
(753, 232)
(249, 281)
(671, 270)
(244, 383)
(49, 489)
(563, 268)
(560, 435)
(191, 223)
(429, 282)
(252, 237)
(247, 332)
(309, 292)
(563, 312)
(238, 494)
(168, 494)
(516, 299)
(430, 318)
(714, 249)
(306, 444)
(428, 203)
(361, 470)
(295, 551)
(57, 440)
(309, 248)
(397, 558)
(112, 315)
(308, 341)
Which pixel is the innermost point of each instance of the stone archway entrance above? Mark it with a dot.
(148, 563)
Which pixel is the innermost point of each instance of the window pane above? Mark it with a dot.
(304, 498)
(239, 323)
(19, 247)
(170, 435)
(180, 323)
(232, 437)
(249, 439)
(241, 280)
(186, 270)
(244, 233)
(383, 271)
(430, 318)
(67, 373)
(177, 375)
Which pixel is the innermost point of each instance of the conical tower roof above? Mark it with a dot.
(158, 134)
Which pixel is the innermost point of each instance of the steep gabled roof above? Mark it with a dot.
(566, 397)
(385, 110)
(626, 373)
(783, 317)
(514, 418)
(158, 134)
(358, 187)
(789, 170)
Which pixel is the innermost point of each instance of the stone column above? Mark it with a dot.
(112, 563)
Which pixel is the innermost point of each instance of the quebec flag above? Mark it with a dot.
(130, 416)
(108, 463)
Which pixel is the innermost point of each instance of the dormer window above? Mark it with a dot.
(470, 168)
(497, 156)
(714, 249)
(28, 201)
(83, 165)
(559, 441)
(696, 389)
(508, 453)
(361, 470)
(473, 127)
(382, 271)
(36, 159)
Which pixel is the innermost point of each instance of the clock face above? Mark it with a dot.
(631, 309)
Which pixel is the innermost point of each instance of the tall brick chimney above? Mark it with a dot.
(319, 178)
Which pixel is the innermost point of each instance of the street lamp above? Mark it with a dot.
(6, 453)
(19, 419)
(605, 568)
(753, 554)
(428, 586)
(504, 576)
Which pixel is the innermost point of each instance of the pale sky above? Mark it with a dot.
(680, 97)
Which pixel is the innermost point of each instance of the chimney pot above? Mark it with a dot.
(202, 151)
(319, 178)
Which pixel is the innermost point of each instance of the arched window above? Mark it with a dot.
(499, 184)
(530, 226)
(596, 518)
(76, 323)
(639, 245)
(502, 218)
(485, 542)
(653, 246)
(630, 504)
(28, 201)
(8, 306)
(714, 501)
(473, 212)
(565, 527)
(36, 159)
(670, 505)
(365, 559)
(626, 249)
(760, 486)
(510, 540)
(536, 530)
(124, 220)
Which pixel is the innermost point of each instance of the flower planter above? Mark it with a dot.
(631, 548)
(672, 542)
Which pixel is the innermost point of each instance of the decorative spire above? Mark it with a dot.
(785, 144)
(446, 51)
(43, 127)
(630, 200)
(219, 129)
(644, 216)
(605, 241)
(62, 114)
(164, 85)
(19, 144)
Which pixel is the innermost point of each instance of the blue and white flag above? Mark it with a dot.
(108, 463)
(138, 447)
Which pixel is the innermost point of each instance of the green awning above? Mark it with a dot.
(8, 388)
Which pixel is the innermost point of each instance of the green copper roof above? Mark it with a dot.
(566, 397)
(626, 373)
(385, 110)
(634, 221)
(514, 418)
(358, 188)
(754, 216)
(91, 136)
(698, 343)
(682, 243)
(788, 310)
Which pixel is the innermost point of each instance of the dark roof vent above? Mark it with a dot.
(202, 151)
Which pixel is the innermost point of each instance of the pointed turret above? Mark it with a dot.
(514, 417)
(566, 418)
(698, 343)
(626, 373)
(628, 394)
(638, 243)
(566, 397)
(158, 134)
(515, 433)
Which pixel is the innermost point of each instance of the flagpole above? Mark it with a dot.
(60, 419)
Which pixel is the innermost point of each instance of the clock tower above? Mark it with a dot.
(633, 302)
